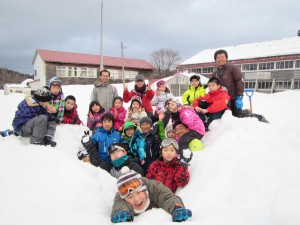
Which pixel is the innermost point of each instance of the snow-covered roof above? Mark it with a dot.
(25, 82)
(287, 46)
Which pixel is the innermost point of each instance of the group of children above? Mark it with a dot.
(154, 148)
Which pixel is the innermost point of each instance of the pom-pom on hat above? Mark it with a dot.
(129, 183)
(43, 95)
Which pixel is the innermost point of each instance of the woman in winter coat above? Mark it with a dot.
(145, 93)
(162, 95)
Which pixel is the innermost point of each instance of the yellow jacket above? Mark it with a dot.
(192, 93)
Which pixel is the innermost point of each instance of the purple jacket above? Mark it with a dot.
(119, 120)
(189, 117)
(97, 119)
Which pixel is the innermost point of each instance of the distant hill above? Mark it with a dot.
(10, 76)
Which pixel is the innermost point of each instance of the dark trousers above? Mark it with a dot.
(211, 116)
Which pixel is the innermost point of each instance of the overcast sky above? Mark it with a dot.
(187, 26)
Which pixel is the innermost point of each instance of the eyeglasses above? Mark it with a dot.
(115, 149)
(169, 141)
(129, 186)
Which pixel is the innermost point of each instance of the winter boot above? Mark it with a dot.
(260, 118)
(48, 141)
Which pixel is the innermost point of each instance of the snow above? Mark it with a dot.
(286, 46)
(248, 173)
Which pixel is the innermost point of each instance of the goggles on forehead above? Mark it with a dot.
(129, 186)
(169, 141)
(115, 148)
(56, 84)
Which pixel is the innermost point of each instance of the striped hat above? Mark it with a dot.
(130, 182)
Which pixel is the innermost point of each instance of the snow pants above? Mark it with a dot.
(37, 128)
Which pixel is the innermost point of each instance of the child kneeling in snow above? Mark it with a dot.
(167, 169)
(137, 195)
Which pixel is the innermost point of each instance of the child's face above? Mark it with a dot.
(180, 130)
(55, 89)
(168, 153)
(146, 127)
(173, 107)
(117, 154)
(70, 104)
(213, 87)
(118, 104)
(86, 159)
(135, 106)
(107, 124)
(129, 132)
(194, 82)
(171, 134)
(96, 108)
(137, 200)
(162, 88)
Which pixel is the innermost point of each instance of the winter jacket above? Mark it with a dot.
(96, 160)
(71, 117)
(91, 124)
(152, 148)
(172, 175)
(192, 93)
(135, 117)
(231, 78)
(190, 140)
(146, 98)
(59, 103)
(136, 145)
(217, 100)
(119, 119)
(28, 109)
(104, 94)
(103, 139)
(189, 117)
(159, 100)
(160, 196)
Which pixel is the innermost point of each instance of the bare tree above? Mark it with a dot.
(165, 61)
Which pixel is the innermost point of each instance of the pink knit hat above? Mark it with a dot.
(161, 82)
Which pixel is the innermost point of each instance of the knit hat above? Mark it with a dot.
(54, 81)
(128, 125)
(82, 153)
(146, 119)
(43, 95)
(130, 182)
(136, 99)
(139, 77)
(161, 82)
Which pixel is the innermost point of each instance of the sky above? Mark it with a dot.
(186, 26)
(247, 173)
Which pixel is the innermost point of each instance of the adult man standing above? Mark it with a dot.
(103, 92)
(230, 77)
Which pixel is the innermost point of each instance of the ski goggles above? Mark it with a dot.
(82, 153)
(114, 149)
(129, 186)
(54, 83)
(169, 141)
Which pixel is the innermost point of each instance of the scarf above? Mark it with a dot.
(120, 161)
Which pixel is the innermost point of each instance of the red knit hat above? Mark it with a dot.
(161, 82)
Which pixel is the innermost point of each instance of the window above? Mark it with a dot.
(84, 72)
(266, 66)
(207, 69)
(284, 64)
(196, 70)
(61, 71)
(249, 67)
(297, 64)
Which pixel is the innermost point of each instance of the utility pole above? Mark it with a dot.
(101, 38)
(122, 48)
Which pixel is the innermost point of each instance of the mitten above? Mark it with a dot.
(185, 157)
(122, 216)
(239, 102)
(86, 139)
(181, 214)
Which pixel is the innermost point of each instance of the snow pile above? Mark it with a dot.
(248, 172)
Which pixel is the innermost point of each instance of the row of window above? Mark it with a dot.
(85, 72)
(255, 66)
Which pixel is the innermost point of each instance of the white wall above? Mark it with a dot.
(39, 67)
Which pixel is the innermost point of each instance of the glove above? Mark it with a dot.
(181, 214)
(86, 139)
(58, 120)
(239, 102)
(185, 157)
(122, 216)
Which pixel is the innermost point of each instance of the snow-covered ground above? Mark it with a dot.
(248, 173)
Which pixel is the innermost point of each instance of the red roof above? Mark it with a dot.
(79, 58)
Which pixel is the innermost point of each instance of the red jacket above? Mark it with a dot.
(217, 100)
(71, 117)
(146, 98)
(170, 174)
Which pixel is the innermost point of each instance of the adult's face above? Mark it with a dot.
(180, 130)
(140, 83)
(104, 77)
(221, 59)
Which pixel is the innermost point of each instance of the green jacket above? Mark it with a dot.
(192, 93)
(160, 197)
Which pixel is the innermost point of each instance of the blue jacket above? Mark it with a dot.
(28, 109)
(103, 139)
(137, 145)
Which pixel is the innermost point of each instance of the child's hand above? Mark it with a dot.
(120, 129)
(157, 93)
(91, 117)
(139, 111)
(149, 87)
(130, 113)
(125, 87)
(198, 109)
(142, 162)
(161, 115)
(99, 125)
(116, 113)
(51, 109)
(204, 111)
